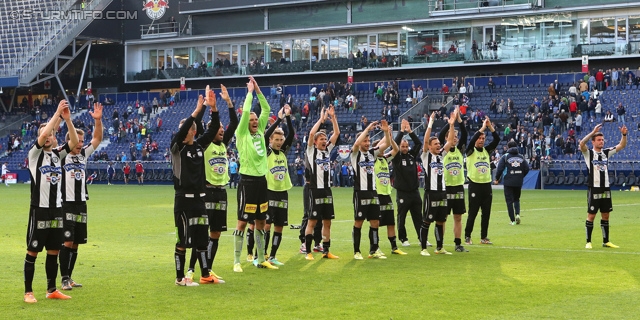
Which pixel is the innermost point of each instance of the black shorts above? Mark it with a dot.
(191, 220)
(215, 202)
(75, 222)
(321, 204)
(435, 206)
(366, 205)
(45, 229)
(139, 174)
(278, 213)
(386, 210)
(455, 200)
(252, 198)
(599, 199)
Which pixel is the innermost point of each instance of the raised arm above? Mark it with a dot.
(452, 132)
(272, 128)
(386, 128)
(363, 135)
(496, 138)
(243, 125)
(623, 139)
(336, 127)
(462, 141)
(46, 131)
(264, 106)
(585, 140)
(186, 125)
(73, 135)
(233, 116)
(427, 133)
(97, 130)
(291, 132)
(316, 127)
(205, 139)
(472, 144)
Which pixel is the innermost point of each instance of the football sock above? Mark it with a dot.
(373, 240)
(212, 250)
(424, 234)
(250, 241)
(259, 236)
(604, 225)
(308, 239)
(392, 240)
(193, 259)
(277, 237)
(202, 261)
(325, 246)
(29, 270)
(64, 256)
(267, 237)
(439, 235)
(72, 260)
(180, 258)
(589, 227)
(457, 241)
(51, 267)
(317, 233)
(356, 235)
(237, 245)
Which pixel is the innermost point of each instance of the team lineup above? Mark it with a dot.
(58, 207)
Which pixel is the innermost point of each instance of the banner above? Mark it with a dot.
(183, 87)
(585, 64)
(11, 177)
(350, 75)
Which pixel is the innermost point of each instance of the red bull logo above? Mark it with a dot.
(155, 9)
(344, 151)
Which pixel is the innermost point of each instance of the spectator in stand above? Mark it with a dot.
(583, 86)
(158, 124)
(619, 110)
(140, 173)
(491, 85)
(578, 122)
(445, 89)
(608, 116)
(598, 111)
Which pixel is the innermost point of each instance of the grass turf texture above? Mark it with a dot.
(538, 269)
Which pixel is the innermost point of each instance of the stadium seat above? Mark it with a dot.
(550, 178)
(620, 180)
(631, 179)
(580, 179)
(571, 178)
(560, 179)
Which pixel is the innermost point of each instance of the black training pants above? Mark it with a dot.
(480, 197)
(408, 201)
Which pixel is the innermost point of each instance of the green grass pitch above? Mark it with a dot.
(538, 269)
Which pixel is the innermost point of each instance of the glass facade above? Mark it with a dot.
(517, 38)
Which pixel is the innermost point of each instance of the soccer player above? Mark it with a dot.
(513, 167)
(383, 186)
(278, 181)
(190, 216)
(597, 160)
(320, 196)
(217, 176)
(405, 181)
(92, 177)
(435, 194)
(4, 173)
(75, 196)
(479, 174)
(126, 170)
(110, 172)
(317, 231)
(454, 178)
(140, 173)
(45, 228)
(252, 196)
(365, 199)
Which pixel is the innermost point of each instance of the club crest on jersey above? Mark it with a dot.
(367, 166)
(344, 151)
(600, 165)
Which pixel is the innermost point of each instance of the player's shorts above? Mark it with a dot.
(321, 204)
(278, 213)
(455, 200)
(75, 221)
(599, 199)
(366, 205)
(215, 202)
(139, 174)
(386, 210)
(45, 229)
(252, 198)
(191, 220)
(435, 206)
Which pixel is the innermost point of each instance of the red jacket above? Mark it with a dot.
(599, 76)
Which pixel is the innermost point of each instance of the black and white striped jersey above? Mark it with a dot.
(319, 164)
(597, 164)
(46, 175)
(433, 165)
(74, 175)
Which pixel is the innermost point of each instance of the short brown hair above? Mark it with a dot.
(431, 139)
(598, 134)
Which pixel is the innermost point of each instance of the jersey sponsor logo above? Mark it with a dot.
(250, 208)
(454, 168)
(515, 162)
(437, 167)
(600, 165)
(257, 143)
(367, 166)
(214, 161)
(483, 167)
(264, 207)
(278, 169)
(323, 163)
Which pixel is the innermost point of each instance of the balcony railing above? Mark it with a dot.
(450, 7)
